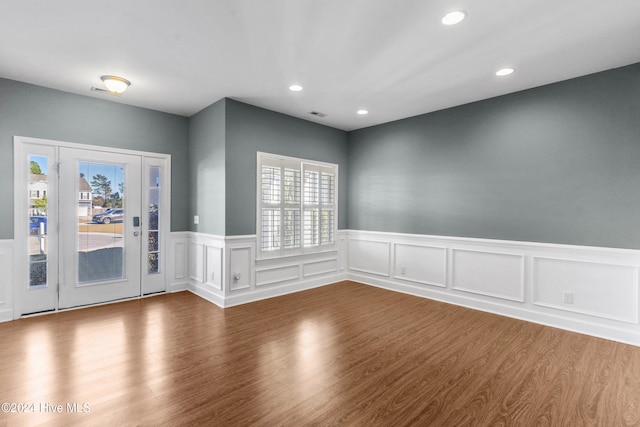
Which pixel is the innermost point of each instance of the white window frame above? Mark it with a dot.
(301, 165)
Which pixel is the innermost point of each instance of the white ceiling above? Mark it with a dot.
(393, 58)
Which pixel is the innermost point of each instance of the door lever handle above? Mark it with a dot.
(136, 233)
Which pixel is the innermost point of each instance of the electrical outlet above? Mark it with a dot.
(196, 219)
(567, 297)
(403, 269)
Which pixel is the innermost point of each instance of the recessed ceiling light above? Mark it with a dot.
(455, 17)
(504, 72)
(295, 88)
(362, 112)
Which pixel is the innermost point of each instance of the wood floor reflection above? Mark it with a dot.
(345, 354)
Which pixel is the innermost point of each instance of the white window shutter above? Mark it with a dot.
(296, 205)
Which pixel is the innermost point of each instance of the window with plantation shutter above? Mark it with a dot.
(296, 207)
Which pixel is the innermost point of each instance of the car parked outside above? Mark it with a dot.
(109, 216)
(34, 224)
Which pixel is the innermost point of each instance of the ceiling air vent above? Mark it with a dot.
(317, 114)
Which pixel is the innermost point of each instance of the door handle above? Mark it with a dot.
(136, 233)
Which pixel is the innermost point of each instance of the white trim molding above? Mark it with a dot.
(599, 289)
(6, 280)
(205, 259)
(483, 272)
(584, 289)
(177, 267)
(226, 271)
(590, 290)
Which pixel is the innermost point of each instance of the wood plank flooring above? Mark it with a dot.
(344, 354)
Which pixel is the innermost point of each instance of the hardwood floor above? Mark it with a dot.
(342, 354)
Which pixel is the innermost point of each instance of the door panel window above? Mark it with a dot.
(100, 222)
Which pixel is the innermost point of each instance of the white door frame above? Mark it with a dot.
(150, 284)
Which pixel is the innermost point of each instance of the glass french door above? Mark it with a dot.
(90, 225)
(100, 211)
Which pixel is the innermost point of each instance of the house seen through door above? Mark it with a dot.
(94, 225)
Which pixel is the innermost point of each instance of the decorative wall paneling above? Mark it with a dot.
(596, 289)
(252, 279)
(6, 280)
(499, 275)
(177, 267)
(426, 265)
(370, 256)
(584, 289)
(205, 258)
(241, 258)
(213, 266)
(225, 271)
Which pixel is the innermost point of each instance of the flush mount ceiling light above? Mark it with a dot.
(455, 17)
(295, 88)
(115, 84)
(504, 72)
(362, 112)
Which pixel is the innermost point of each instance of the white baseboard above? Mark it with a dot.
(206, 293)
(7, 280)
(6, 315)
(281, 290)
(613, 333)
(590, 290)
(177, 287)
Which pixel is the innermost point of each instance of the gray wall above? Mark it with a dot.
(251, 129)
(38, 112)
(557, 164)
(207, 169)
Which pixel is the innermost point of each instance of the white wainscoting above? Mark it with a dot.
(370, 256)
(277, 274)
(6, 280)
(265, 278)
(487, 273)
(213, 266)
(225, 270)
(584, 289)
(596, 289)
(206, 266)
(177, 267)
(241, 259)
(426, 265)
